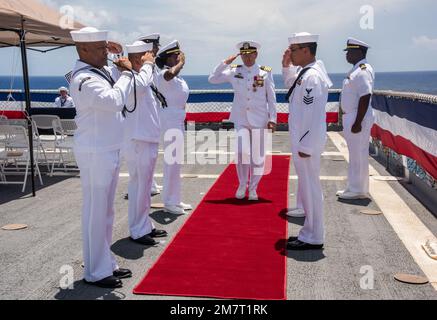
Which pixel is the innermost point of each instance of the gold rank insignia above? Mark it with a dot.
(233, 66)
(265, 68)
(363, 66)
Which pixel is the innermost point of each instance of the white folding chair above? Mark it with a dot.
(63, 147)
(69, 126)
(16, 149)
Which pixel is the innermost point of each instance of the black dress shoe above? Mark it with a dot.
(121, 273)
(108, 282)
(300, 245)
(145, 240)
(126, 196)
(291, 239)
(157, 233)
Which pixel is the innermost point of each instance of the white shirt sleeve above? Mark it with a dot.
(363, 83)
(313, 116)
(221, 74)
(271, 97)
(108, 99)
(57, 102)
(290, 75)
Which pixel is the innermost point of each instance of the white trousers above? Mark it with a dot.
(250, 151)
(172, 131)
(99, 177)
(141, 158)
(358, 145)
(311, 195)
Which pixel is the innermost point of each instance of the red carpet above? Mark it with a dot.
(229, 248)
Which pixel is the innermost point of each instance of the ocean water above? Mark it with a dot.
(420, 81)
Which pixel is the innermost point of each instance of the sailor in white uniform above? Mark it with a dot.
(357, 119)
(154, 40)
(308, 97)
(98, 139)
(142, 133)
(64, 100)
(253, 111)
(289, 74)
(175, 92)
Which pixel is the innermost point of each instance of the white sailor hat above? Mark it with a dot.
(154, 37)
(248, 46)
(303, 37)
(63, 89)
(172, 47)
(139, 47)
(89, 34)
(353, 43)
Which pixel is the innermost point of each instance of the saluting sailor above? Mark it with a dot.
(253, 110)
(142, 134)
(98, 139)
(174, 92)
(357, 119)
(154, 40)
(308, 97)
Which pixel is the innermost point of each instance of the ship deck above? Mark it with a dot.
(355, 245)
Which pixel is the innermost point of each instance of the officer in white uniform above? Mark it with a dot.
(175, 92)
(357, 119)
(142, 133)
(253, 111)
(98, 139)
(64, 100)
(308, 97)
(154, 40)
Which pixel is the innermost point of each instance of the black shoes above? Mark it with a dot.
(157, 233)
(300, 245)
(145, 240)
(121, 273)
(108, 282)
(148, 240)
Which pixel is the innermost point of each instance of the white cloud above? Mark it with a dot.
(426, 42)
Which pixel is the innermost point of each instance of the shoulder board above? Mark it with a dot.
(236, 65)
(363, 66)
(265, 68)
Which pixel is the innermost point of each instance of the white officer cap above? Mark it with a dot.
(353, 43)
(248, 46)
(63, 89)
(139, 46)
(303, 37)
(89, 34)
(172, 47)
(154, 37)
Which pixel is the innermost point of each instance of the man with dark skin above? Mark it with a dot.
(357, 119)
(97, 142)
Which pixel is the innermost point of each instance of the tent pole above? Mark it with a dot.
(22, 34)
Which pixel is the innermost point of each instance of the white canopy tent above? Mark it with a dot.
(29, 24)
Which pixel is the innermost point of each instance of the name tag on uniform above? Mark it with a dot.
(239, 76)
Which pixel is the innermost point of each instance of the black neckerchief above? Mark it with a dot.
(290, 91)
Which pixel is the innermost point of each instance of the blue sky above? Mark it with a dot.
(404, 37)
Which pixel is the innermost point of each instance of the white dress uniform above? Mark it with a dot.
(359, 83)
(98, 140)
(60, 102)
(289, 75)
(142, 133)
(253, 107)
(152, 38)
(172, 117)
(307, 124)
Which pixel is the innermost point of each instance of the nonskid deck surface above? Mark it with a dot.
(361, 255)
